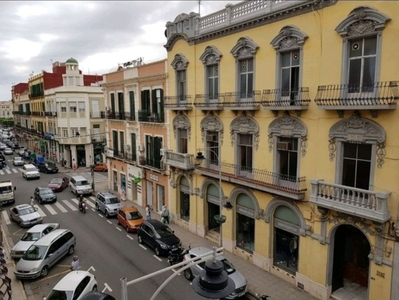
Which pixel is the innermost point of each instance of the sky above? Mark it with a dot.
(98, 34)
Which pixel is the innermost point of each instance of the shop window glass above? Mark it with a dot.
(245, 232)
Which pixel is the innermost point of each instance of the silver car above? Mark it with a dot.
(25, 215)
(31, 236)
(239, 280)
(18, 161)
(8, 151)
(108, 204)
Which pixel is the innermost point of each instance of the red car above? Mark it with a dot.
(100, 168)
(58, 184)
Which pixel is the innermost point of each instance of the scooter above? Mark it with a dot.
(82, 207)
(177, 255)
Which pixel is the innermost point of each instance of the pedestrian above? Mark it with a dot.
(165, 214)
(74, 263)
(32, 201)
(148, 211)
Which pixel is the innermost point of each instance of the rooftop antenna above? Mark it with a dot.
(199, 7)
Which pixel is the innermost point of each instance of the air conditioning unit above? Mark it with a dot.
(282, 145)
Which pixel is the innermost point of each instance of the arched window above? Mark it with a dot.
(212, 136)
(180, 64)
(182, 132)
(211, 59)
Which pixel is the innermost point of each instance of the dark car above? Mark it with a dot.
(47, 167)
(97, 296)
(2, 158)
(58, 184)
(158, 236)
(44, 195)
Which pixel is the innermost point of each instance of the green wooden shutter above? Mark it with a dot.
(115, 141)
(161, 109)
(132, 108)
(113, 103)
(154, 101)
(143, 100)
(157, 152)
(134, 148)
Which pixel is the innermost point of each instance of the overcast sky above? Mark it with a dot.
(99, 34)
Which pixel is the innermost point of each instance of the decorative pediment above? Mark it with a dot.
(245, 48)
(289, 37)
(211, 123)
(362, 20)
(211, 56)
(244, 125)
(181, 122)
(180, 62)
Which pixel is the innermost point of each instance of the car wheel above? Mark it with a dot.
(71, 250)
(106, 214)
(127, 229)
(139, 239)
(44, 271)
(46, 171)
(188, 274)
(97, 207)
(157, 251)
(94, 288)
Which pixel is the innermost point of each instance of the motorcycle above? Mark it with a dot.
(82, 207)
(177, 255)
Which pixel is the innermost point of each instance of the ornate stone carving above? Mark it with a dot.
(180, 62)
(289, 37)
(245, 48)
(181, 122)
(342, 218)
(361, 27)
(211, 56)
(211, 123)
(380, 154)
(244, 125)
(332, 147)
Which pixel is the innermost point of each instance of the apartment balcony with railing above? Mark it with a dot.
(259, 179)
(182, 102)
(242, 101)
(183, 161)
(280, 100)
(209, 102)
(116, 115)
(349, 200)
(148, 116)
(50, 114)
(37, 113)
(97, 115)
(130, 157)
(74, 140)
(150, 162)
(374, 96)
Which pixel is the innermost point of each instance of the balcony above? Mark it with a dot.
(353, 201)
(280, 100)
(375, 96)
(74, 140)
(151, 163)
(147, 116)
(242, 101)
(115, 115)
(262, 180)
(97, 115)
(131, 157)
(37, 113)
(207, 102)
(183, 161)
(177, 103)
(50, 114)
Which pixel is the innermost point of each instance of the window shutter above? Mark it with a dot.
(143, 102)
(134, 148)
(132, 105)
(161, 109)
(154, 101)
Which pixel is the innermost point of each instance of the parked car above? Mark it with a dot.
(239, 280)
(108, 204)
(47, 167)
(80, 186)
(2, 146)
(25, 215)
(130, 218)
(31, 236)
(18, 161)
(44, 195)
(29, 171)
(73, 286)
(97, 296)
(2, 158)
(100, 168)
(58, 184)
(44, 253)
(8, 151)
(158, 236)
(21, 151)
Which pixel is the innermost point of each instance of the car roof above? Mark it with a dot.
(129, 209)
(155, 223)
(43, 188)
(203, 250)
(72, 279)
(107, 194)
(29, 165)
(40, 227)
(95, 295)
(51, 236)
(22, 206)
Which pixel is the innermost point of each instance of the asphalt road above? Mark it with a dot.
(102, 246)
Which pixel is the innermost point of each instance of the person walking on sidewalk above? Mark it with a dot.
(148, 211)
(74, 263)
(32, 201)
(165, 214)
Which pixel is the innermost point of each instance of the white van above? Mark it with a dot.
(7, 192)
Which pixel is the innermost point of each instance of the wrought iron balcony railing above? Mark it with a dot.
(271, 182)
(279, 99)
(183, 161)
(50, 114)
(377, 95)
(116, 115)
(242, 101)
(353, 201)
(209, 101)
(97, 115)
(147, 116)
(182, 102)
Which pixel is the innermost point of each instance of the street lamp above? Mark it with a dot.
(220, 219)
(213, 282)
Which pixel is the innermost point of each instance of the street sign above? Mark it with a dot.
(136, 180)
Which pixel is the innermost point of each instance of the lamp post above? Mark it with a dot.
(220, 219)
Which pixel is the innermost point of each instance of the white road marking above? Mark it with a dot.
(50, 209)
(118, 228)
(14, 170)
(101, 215)
(142, 247)
(60, 207)
(91, 204)
(107, 287)
(109, 222)
(40, 211)
(72, 207)
(129, 237)
(1, 172)
(157, 257)
(91, 268)
(92, 198)
(8, 171)
(6, 217)
(75, 200)
(20, 169)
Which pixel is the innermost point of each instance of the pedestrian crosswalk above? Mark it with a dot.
(59, 207)
(10, 171)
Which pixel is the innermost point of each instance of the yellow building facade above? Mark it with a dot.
(283, 127)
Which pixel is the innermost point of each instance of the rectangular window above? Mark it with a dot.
(115, 141)
(133, 146)
(288, 158)
(81, 106)
(212, 144)
(122, 141)
(112, 103)
(75, 132)
(246, 78)
(245, 148)
(181, 85)
(96, 132)
(65, 133)
(290, 75)
(182, 141)
(132, 106)
(63, 107)
(72, 107)
(153, 151)
(121, 106)
(213, 82)
(356, 165)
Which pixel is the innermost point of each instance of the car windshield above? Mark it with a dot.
(60, 295)
(164, 232)
(228, 266)
(30, 236)
(84, 182)
(134, 215)
(26, 211)
(45, 191)
(30, 169)
(56, 180)
(113, 200)
(35, 253)
(17, 158)
(5, 189)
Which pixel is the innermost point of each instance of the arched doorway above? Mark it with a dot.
(184, 199)
(213, 207)
(350, 262)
